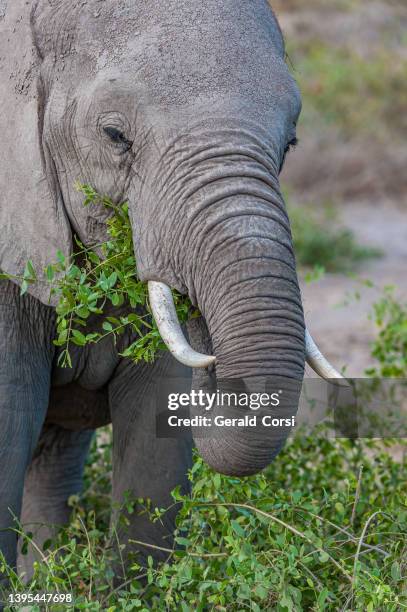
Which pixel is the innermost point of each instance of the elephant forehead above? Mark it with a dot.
(176, 69)
(209, 46)
(225, 59)
(178, 49)
(113, 21)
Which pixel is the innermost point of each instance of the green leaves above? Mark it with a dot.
(231, 557)
(29, 276)
(238, 529)
(99, 278)
(78, 338)
(390, 346)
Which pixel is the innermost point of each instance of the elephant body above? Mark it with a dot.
(186, 110)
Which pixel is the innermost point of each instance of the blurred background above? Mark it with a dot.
(346, 181)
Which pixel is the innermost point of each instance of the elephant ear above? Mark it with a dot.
(33, 222)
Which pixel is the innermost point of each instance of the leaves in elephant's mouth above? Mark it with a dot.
(99, 292)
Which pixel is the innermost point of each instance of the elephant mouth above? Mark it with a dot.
(163, 309)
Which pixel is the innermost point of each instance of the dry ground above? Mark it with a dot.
(344, 331)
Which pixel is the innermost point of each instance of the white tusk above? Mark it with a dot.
(317, 361)
(163, 309)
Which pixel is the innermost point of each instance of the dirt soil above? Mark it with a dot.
(344, 332)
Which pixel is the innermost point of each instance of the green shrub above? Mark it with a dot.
(357, 95)
(319, 242)
(390, 345)
(314, 532)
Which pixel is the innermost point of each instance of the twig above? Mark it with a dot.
(346, 532)
(365, 528)
(172, 551)
(119, 549)
(286, 525)
(357, 495)
(37, 548)
(355, 564)
(122, 585)
(90, 558)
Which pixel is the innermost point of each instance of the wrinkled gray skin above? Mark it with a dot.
(185, 109)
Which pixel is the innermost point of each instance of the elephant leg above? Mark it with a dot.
(26, 331)
(55, 473)
(143, 464)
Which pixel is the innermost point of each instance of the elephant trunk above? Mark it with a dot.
(230, 248)
(250, 299)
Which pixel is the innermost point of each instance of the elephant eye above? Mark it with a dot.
(292, 143)
(118, 138)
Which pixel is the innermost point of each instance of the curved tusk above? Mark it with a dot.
(163, 309)
(317, 361)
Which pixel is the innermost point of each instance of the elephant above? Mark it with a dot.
(186, 110)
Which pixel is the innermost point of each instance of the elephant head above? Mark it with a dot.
(186, 110)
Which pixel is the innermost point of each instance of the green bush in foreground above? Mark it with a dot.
(322, 529)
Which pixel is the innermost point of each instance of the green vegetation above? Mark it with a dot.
(322, 529)
(363, 96)
(390, 346)
(353, 93)
(97, 277)
(88, 284)
(318, 241)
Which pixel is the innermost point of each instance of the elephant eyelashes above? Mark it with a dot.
(292, 143)
(118, 138)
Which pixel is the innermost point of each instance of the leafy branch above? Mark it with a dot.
(103, 280)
